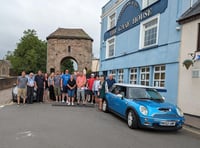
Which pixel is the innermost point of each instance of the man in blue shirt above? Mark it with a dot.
(110, 81)
(64, 80)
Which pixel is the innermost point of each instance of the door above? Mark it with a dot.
(119, 100)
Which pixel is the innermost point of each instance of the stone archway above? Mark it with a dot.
(69, 43)
(64, 64)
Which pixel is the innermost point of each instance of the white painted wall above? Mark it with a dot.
(189, 88)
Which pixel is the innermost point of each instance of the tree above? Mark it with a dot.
(30, 54)
(67, 64)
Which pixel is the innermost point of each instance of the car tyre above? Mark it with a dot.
(14, 97)
(132, 119)
(105, 106)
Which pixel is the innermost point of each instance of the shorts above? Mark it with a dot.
(65, 89)
(96, 93)
(21, 93)
(57, 91)
(71, 92)
(80, 94)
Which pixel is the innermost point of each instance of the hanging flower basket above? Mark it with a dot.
(187, 63)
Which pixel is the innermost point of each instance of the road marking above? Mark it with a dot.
(2, 106)
(191, 130)
(26, 134)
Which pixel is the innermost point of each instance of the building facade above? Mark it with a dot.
(189, 79)
(95, 65)
(73, 44)
(140, 42)
(5, 67)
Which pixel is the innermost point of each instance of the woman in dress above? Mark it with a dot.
(102, 91)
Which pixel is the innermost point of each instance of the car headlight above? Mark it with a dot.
(179, 112)
(143, 110)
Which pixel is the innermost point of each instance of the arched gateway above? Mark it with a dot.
(72, 44)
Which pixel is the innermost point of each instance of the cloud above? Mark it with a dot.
(45, 16)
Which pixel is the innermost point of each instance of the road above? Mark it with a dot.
(46, 126)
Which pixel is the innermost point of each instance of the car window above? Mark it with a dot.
(135, 93)
(119, 90)
(144, 93)
(153, 94)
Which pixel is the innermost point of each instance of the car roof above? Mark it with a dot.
(160, 89)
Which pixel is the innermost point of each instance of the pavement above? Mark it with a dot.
(5, 96)
(192, 123)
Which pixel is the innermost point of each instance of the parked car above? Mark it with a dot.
(14, 94)
(143, 106)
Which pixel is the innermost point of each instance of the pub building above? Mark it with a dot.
(140, 42)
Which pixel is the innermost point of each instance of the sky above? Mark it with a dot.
(45, 16)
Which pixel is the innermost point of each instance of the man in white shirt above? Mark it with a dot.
(30, 88)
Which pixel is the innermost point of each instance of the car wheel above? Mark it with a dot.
(105, 106)
(132, 120)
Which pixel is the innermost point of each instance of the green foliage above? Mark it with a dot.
(30, 54)
(67, 64)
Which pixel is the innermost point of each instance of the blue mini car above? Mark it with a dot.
(143, 106)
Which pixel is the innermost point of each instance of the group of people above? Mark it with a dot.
(28, 84)
(65, 88)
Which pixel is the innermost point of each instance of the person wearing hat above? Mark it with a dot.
(30, 88)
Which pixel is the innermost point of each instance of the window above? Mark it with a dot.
(159, 76)
(69, 48)
(198, 39)
(113, 72)
(133, 76)
(144, 76)
(120, 76)
(149, 33)
(111, 21)
(119, 90)
(146, 3)
(110, 47)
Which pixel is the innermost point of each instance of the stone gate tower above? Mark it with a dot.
(72, 44)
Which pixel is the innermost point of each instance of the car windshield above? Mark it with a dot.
(144, 93)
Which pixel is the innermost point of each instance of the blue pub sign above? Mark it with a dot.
(131, 15)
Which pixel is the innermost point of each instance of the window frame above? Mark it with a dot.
(133, 73)
(148, 3)
(145, 73)
(120, 75)
(143, 30)
(108, 47)
(113, 72)
(112, 20)
(159, 72)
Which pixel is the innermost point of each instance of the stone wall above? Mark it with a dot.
(7, 82)
(79, 50)
(5, 68)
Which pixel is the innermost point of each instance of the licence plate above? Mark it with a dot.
(167, 123)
